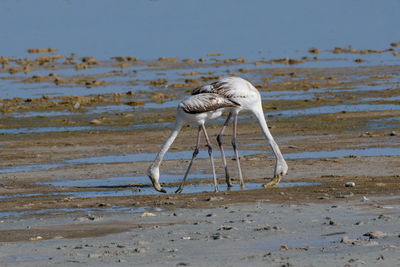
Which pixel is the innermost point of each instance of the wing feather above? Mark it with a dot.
(205, 102)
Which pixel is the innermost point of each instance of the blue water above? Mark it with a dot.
(367, 152)
(176, 155)
(188, 28)
(146, 189)
(121, 158)
(17, 214)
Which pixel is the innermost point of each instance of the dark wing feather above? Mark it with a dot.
(219, 87)
(205, 102)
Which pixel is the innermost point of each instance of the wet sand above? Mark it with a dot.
(72, 168)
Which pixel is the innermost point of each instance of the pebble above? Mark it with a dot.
(350, 184)
(140, 250)
(226, 228)
(93, 255)
(36, 238)
(183, 264)
(148, 214)
(214, 198)
(331, 222)
(95, 122)
(376, 234)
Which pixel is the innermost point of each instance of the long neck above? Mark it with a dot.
(261, 120)
(167, 144)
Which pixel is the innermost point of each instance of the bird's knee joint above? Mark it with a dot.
(219, 140)
(234, 143)
(209, 150)
(195, 152)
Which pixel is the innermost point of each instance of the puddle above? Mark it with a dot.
(289, 95)
(124, 180)
(171, 155)
(161, 25)
(147, 189)
(176, 155)
(82, 128)
(334, 109)
(122, 159)
(384, 123)
(16, 214)
(9, 260)
(368, 152)
(61, 194)
(122, 108)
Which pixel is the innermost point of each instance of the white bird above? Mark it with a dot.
(208, 102)
(247, 96)
(196, 109)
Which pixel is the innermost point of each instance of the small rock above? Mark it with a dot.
(93, 255)
(393, 133)
(148, 214)
(95, 122)
(142, 243)
(347, 240)
(364, 198)
(269, 228)
(226, 228)
(344, 196)
(139, 250)
(183, 264)
(36, 238)
(385, 217)
(214, 198)
(93, 217)
(350, 184)
(376, 234)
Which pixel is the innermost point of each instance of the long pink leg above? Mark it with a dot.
(219, 140)
(211, 157)
(195, 152)
(236, 150)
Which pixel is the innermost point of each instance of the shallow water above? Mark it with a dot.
(135, 190)
(121, 158)
(334, 109)
(17, 214)
(188, 189)
(150, 29)
(256, 36)
(368, 152)
(176, 155)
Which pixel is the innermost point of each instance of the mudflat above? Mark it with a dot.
(73, 188)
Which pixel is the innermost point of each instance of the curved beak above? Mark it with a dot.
(158, 187)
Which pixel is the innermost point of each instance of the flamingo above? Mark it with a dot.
(234, 93)
(195, 109)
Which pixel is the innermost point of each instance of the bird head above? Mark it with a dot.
(154, 175)
(281, 168)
